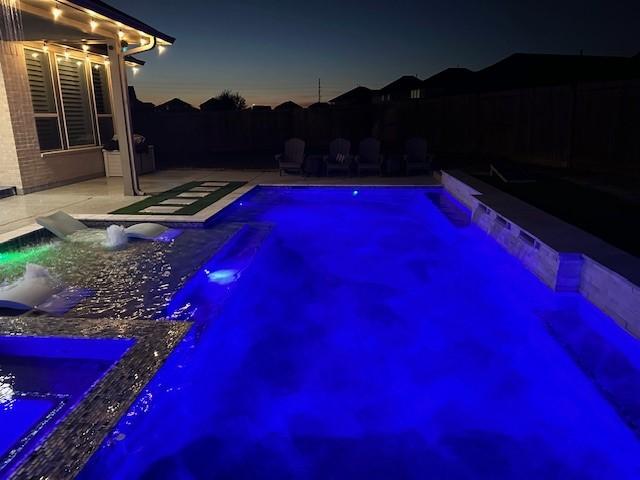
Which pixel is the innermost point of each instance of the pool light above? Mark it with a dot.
(223, 277)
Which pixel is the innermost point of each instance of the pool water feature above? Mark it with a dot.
(41, 380)
(374, 336)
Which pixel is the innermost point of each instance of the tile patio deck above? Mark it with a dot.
(93, 199)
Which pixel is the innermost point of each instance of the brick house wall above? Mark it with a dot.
(21, 163)
(19, 143)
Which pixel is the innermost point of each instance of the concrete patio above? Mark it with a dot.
(103, 195)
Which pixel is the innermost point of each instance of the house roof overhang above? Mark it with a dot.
(112, 13)
(87, 21)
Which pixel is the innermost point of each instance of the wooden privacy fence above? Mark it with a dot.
(593, 126)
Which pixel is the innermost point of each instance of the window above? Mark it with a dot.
(100, 82)
(415, 93)
(43, 99)
(71, 100)
(76, 102)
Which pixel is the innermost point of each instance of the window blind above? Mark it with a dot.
(76, 101)
(43, 99)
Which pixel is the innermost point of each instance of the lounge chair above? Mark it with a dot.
(369, 158)
(293, 157)
(62, 225)
(36, 290)
(416, 156)
(339, 157)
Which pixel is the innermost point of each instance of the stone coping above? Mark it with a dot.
(553, 232)
(563, 256)
(67, 448)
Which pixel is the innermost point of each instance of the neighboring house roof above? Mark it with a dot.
(356, 95)
(113, 13)
(288, 105)
(176, 105)
(449, 79)
(318, 106)
(404, 83)
(529, 70)
(136, 104)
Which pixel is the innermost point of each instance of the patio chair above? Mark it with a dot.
(416, 157)
(293, 157)
(369, 158)
(62, 225)
(339, 158)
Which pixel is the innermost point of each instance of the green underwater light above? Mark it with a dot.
(25, 255)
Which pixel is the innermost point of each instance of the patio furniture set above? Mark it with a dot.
(368, 159)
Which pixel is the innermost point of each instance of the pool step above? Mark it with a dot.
(451, 208)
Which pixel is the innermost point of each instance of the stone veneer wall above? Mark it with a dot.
(21, 163)
(570, 270)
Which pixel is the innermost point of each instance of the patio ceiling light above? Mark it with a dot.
(102, 22)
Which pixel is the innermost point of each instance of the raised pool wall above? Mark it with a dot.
(562, 256)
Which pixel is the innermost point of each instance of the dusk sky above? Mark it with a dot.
(275, 51)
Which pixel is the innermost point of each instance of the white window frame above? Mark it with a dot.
(53, 78)
(93, 97)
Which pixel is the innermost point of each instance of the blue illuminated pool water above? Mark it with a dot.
(41, 380)
(366, 335)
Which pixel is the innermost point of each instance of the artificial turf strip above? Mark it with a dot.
(195, 207)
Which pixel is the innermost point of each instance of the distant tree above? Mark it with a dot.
(227, 100)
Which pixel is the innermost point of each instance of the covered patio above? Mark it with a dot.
(64, 91)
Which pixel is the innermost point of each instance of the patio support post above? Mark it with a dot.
(122, 118)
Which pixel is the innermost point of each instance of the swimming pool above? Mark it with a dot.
(41, 380)
(365, 334)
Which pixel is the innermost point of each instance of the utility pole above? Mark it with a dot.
(319, 90)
